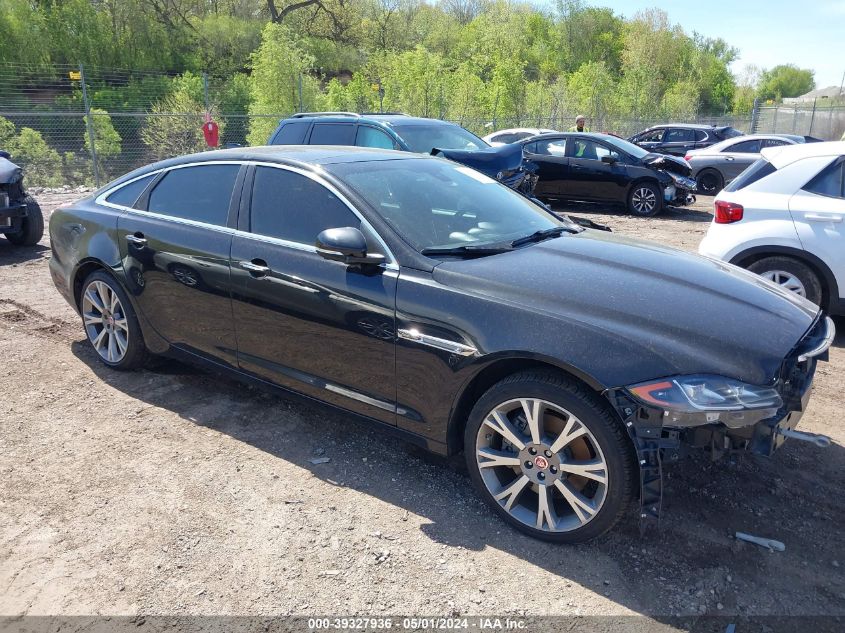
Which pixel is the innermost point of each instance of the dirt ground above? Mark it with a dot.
(171, 491)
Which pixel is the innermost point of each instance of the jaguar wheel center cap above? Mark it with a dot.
(541, 462)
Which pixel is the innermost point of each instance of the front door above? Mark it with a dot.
(818, 211)
(590, 178)
(175, 253)
(315, 326)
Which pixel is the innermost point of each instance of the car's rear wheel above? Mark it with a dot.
(549, 458)
(110, 323)
(31, 227)
(644, 199)
(710, 182)
(791, 274)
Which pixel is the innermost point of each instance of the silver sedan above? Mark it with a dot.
(715, 166)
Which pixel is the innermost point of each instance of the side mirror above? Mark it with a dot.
(610, 160)
(347, 245)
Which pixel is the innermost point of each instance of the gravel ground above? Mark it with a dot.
(171, 491)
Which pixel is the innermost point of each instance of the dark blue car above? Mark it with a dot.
(388, 130)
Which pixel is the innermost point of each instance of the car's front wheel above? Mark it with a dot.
(644, 199)
(548, 457)
(31, 227)
(110, 323)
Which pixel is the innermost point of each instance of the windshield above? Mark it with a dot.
(435, 203)
(626, 146)
(424, 138)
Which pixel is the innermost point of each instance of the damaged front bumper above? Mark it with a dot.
(680, 192)
(661, 433)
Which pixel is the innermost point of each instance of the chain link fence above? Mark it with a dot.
(72, 126)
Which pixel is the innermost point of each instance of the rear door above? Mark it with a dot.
(552, 165)
(677, 141)
(735, 158)
(818, 210)
(315, 326)
(175, 253)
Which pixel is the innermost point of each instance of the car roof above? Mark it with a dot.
(691, 126)
(512, 130)
(389, 118)
(786, 154)
(596, 135)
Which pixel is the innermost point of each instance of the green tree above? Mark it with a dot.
(107, 141)
(174, 125)
(786, 80)
(42, 164)
(279, 67)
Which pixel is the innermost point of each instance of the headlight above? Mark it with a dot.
(682, 181)
(692, 394)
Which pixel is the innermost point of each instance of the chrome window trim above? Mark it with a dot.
(390, 263)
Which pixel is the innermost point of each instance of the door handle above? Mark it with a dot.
(729, 158)
(137, 240)
(256, 267)
(820, 217)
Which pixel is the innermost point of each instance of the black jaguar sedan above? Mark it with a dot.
(441, 305)
(606, 168)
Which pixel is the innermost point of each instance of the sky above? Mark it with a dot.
(807, 33)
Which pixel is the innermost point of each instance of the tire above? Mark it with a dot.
(791, 274)
(32, 226)
(710, 182)
(582, 507)
(645, 200)
(110, 324)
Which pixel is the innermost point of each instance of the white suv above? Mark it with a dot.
(784, 218)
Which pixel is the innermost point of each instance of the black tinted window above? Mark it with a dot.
(700, 135)
(679, 135)
(758, 170)
(293, 207)
(291, 133)
(199, 193)
(829, 182)
(333, 134)
(128, 194)
(744, 147)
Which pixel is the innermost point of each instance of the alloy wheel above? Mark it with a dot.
(786, 280)
(644, 200)
(105, 321)
(541, 464)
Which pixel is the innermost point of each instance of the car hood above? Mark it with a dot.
(9, 172)
(653, 311)
(489, 161)
(668, 163)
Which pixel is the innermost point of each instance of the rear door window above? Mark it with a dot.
(700, 136)
(289, 206)
(774, 142)
(679, 135)
(830, 181)
(291, 133)
(201, 193)
(333, 134)
(744, 147)
(128, 195)
(371, 137)
(554, 147)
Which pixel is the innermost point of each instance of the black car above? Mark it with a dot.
(443, 306)
(21, 220)
(606, 168)
(678, 138)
